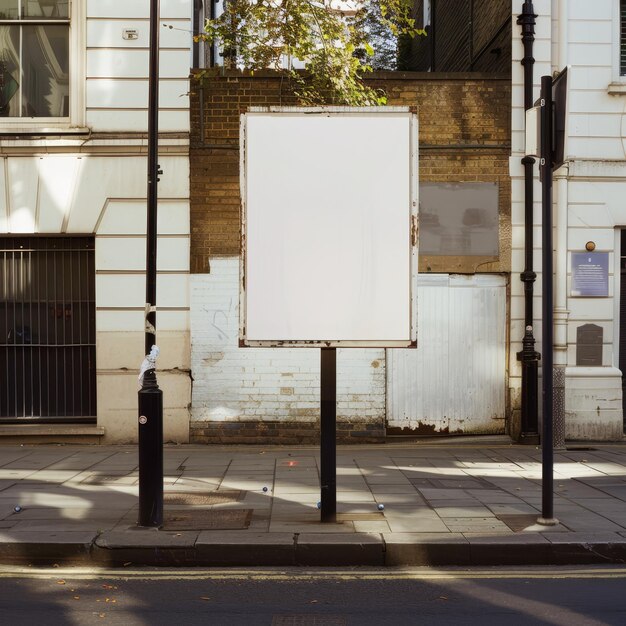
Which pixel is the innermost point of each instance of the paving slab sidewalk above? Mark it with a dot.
(467, 501)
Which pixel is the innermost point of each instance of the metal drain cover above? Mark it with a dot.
(199, 498)
(208, 519)
(520, 522)
(122, 479)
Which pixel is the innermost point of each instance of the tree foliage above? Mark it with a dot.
(335, 41)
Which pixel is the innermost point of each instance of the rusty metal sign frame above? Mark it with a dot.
(412, 228)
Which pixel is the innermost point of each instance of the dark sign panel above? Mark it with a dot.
(458, 219)
(590, 274)
(559, 123)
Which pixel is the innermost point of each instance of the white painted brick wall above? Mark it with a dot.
(242, 384)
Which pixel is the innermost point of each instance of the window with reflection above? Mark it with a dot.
(34, 58)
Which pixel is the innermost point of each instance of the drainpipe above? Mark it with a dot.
(528, 356)
(197, 14)
(561, 313)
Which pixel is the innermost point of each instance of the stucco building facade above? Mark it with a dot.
(73, 142)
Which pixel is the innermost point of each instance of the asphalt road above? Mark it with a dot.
(313, 597)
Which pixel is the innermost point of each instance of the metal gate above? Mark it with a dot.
(47, 329)
(455, 381)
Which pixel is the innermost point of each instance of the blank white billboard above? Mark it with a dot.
(329, 227)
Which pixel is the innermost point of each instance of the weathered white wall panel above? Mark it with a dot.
(117, 8)
(98, 179)
(111, 93)
(603, 238)
(239, 384)
(125, 216)
(129, 253)
(116, 120)
(117, 68)
(128, 290)
(23, 187)
(455, 380)
(57, 181)
(124, 320)
(132, 63)
(590, 31)
(108, 33)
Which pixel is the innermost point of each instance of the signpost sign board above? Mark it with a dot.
(329, 227)
(590, 274)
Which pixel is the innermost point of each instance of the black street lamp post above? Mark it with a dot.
(528, 356)
(150, 396)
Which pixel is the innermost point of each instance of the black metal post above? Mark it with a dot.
(328, 439)
(150, 396)
(529, 357)
(547, 443)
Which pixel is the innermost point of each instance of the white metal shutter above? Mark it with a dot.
(455, 381)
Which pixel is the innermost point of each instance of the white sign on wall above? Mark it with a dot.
(329, 227)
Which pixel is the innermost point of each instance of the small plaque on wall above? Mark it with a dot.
(590, 274)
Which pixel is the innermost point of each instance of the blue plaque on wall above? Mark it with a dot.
(590, 274)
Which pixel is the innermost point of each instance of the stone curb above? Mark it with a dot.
(47, 548)
(232, 549)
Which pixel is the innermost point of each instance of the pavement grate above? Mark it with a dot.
(308, 620)
(199, 498)
(519, 522)
(234, 519)
(123, 479)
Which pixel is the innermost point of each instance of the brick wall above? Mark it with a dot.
(452, 35)
(491, 36)
(467, 35)
(261, 396)
(216, 106)
(464, 135)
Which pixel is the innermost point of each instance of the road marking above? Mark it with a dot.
(297, 575)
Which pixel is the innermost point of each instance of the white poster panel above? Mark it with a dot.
(329, 201)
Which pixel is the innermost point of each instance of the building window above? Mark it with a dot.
(622, 34)
(34, 58)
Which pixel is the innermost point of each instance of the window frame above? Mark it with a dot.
(617, 43)
(76, 120)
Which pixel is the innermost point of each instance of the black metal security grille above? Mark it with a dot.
(47, 329)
